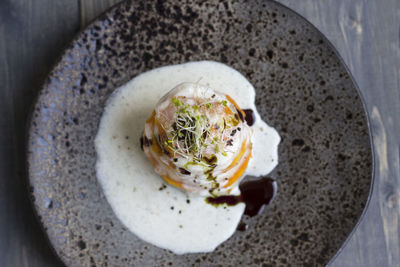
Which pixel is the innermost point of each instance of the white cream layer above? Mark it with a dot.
(131, 186)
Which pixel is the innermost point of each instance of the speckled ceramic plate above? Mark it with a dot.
(303, 90)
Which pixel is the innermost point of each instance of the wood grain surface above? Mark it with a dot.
(366, 34)
(32, 36)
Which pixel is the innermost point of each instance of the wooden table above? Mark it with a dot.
(33, 34)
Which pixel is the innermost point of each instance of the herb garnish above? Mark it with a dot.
(192, 135)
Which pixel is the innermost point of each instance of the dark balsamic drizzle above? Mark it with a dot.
(255, 195)
(141, 143)
(240, 115)
(242, 227)
(249, 116)
(144, 141)
(184, 171)
(230, 200)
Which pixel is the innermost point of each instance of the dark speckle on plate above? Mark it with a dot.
(303, 90)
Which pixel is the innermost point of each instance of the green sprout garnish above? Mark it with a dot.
(216, 148)
(189, 131)
(176, 102)
(191, 134)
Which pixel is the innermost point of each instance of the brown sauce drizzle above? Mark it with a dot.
(242, 227)
(144, 141)
(255, 195)
(249, 116)
(240, 115)
(184, 171)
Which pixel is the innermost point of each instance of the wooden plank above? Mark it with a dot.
(32, 35)
(367, 37)
(90, 9)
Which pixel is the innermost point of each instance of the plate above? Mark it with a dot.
(303, 90)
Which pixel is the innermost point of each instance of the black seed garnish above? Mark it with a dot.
(233, 132)
(229, 142)
(184, 171)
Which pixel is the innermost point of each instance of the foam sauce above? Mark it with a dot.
(155, 212)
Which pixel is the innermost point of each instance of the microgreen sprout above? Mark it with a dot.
(189, 130)
(216, 148)
(192, 134)
(176, 102)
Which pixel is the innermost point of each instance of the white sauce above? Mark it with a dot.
(129, 181)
